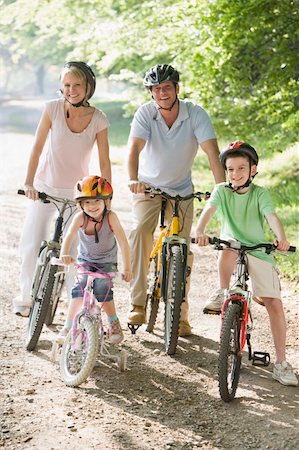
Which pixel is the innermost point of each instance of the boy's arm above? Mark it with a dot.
(205, 217)
(69, 237)
(123, 244)
(277, 228)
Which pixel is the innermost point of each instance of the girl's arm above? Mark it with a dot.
(69, 238)
(205, 217)
(277, 228)
(123, 244)
(37, 149)
(103, 152)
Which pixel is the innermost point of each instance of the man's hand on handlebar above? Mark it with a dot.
(137, 187)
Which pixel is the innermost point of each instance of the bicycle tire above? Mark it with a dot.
(174, 289)
(43, 288)
(229, 363)
(57, 289)
(152, 301)
(76, 364)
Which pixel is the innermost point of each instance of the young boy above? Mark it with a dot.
(243, 206)
(99, 229)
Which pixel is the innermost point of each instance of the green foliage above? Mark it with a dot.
(119, 125)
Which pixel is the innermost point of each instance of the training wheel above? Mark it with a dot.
(122, 360)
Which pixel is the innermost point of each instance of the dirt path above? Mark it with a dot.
(160, 402)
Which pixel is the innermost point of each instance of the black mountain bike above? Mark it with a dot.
(47, 283)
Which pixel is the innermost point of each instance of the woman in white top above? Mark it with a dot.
(70, 126)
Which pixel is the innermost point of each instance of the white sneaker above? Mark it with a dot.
(115, 333)
(20, 308)
(214, 303)
(284, 374)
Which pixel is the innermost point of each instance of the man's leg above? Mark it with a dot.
(145, 217)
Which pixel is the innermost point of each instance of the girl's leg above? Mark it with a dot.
(278, 326)
(115, 331)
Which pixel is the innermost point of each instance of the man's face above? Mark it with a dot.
(165, 93)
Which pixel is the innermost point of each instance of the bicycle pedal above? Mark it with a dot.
(261, 359)
(133, 328)
(211, 312)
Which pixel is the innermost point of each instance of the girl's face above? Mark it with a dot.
(238, 170)
(93, 207)
(74, 89)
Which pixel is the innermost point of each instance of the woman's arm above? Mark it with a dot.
(103, 152)
(37, 149)
(123, 244)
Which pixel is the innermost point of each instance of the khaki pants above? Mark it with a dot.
(146, 212)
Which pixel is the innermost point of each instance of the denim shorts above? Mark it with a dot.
(101, 288)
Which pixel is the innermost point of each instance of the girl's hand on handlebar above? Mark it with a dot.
(127, 275)
(31, 192)
(67, 259)
(137, 187)
(202, 239)
(282, 245)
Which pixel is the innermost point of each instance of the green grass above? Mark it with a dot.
(119, 125)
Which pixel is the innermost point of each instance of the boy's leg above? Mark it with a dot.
(278, 326)
(226, 265)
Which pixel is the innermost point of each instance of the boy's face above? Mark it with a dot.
(238, 170)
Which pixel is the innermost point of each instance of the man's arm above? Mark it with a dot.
(210, 147)
(135, 147)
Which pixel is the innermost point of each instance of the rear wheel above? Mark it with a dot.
(42, 291)
(174, 289)
(153, 296)
(229, 353)
(78, 356)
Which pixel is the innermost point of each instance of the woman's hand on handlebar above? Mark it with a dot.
(137, 187)
(31, 192)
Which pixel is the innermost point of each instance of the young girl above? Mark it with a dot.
(97, 227)
(61, 152)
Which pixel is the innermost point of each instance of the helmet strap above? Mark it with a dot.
(248, 183)
(166, 109)
(96, 236)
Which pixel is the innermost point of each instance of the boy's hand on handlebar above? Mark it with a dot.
(282, 245)
(127, 275)
(67, 259)
(202, 239)
(137, 187)
(31, 192)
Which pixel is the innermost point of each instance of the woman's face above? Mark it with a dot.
(73, 89)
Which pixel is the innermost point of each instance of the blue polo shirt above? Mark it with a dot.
(167, 157)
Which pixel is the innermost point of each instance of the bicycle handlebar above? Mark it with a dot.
(45, 198)
(83, 271)
(152, 191)
(218, 243)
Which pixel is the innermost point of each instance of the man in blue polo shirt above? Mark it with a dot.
(163, 142)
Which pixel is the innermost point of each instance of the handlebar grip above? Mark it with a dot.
(41, 195)
(292, 248)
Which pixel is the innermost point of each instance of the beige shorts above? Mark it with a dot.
(264, 279)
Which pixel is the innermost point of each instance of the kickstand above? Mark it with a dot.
(133, 328)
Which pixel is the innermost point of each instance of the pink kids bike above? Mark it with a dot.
(87, 341)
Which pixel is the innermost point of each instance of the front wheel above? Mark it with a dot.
(153, 296)
(57, 289)
(79, 354)
(41, 296)
(173, 292)
(230, 355)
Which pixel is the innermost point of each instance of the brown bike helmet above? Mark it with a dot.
(239, 148)
(93, 187)
(88, 72)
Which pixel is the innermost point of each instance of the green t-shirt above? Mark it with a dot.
(243, 215)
